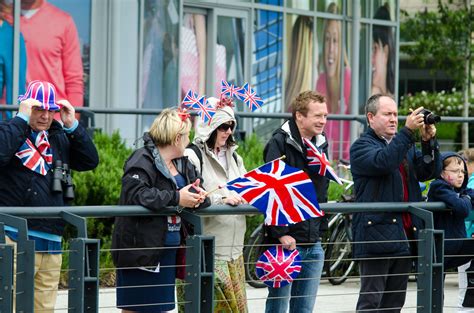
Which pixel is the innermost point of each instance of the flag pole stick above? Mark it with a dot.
(222, 186)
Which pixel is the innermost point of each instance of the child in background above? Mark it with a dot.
(467, 301)
(451, 188)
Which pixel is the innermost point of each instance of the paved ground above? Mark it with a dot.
(330, 298)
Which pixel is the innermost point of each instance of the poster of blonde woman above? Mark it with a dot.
(335, 80)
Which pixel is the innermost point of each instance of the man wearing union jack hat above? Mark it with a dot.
(33, 143)
(309, 112)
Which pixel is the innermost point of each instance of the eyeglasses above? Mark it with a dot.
(457, 172)
(225, 127)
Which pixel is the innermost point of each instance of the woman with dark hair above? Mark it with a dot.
(213, 154)
(383, 55)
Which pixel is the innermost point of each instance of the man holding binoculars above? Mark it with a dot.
(35, 157)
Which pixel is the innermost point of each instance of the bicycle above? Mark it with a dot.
(338, 264)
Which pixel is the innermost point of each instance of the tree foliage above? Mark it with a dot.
(440, 39)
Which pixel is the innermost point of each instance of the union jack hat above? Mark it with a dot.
(44, 92)
(278, 267)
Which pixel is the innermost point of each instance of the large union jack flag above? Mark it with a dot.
(230, 90)
(278, 267)
(37, 157)
(283, 193)
(320, 162)
(250, 98)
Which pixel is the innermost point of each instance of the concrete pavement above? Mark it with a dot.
(330, 298)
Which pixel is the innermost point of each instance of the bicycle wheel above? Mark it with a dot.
(339, 253)
(252, 252)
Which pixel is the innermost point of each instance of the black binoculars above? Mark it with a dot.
(62, 180)
(430, 117)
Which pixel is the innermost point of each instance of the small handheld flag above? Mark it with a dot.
(320, 162)
(250, 98)
(230, 90)
(278, 267)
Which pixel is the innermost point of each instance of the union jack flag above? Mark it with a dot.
(250, 98)
(278, 267)
(283, 193)
(193, 102)
(206, 111)
(190, 100)
(320, 162)
(37, 157)
(230, 90)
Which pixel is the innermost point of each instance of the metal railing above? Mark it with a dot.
(84, 265)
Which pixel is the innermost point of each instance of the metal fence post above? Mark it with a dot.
(6, 274)
(83, 268)
(199, 288)
(430, 264)
(25, 264)
(430, 267)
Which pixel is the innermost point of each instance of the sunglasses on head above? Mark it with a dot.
(225, 127)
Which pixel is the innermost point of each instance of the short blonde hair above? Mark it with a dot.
(467, 154)
(167, 126)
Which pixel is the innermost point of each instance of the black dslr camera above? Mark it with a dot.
(430, 117)
(62, 180)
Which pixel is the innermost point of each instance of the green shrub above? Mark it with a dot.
(251, 151)
(100, 186)
(442, 103)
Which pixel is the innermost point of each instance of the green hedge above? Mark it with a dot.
(101, 187)
(442, 103)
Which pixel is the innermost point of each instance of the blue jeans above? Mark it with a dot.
(304, 288)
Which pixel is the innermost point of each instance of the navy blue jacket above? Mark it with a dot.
(459, 200)
(19, 186)
(375, 167)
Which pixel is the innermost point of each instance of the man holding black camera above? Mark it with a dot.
(32, 143)
(386, 167)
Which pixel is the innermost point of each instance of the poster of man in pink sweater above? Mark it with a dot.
(52, 49)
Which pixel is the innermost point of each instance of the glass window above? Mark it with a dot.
(384, 9)
(334, 82)
(383, 60)
(365, 68)
(300, 55)
(230, 51)
(271, 2)
(193, 53)
(324, 5)
(301, 4)
(7, 68)
(159, 82)
(267, 66)
(64, 44)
